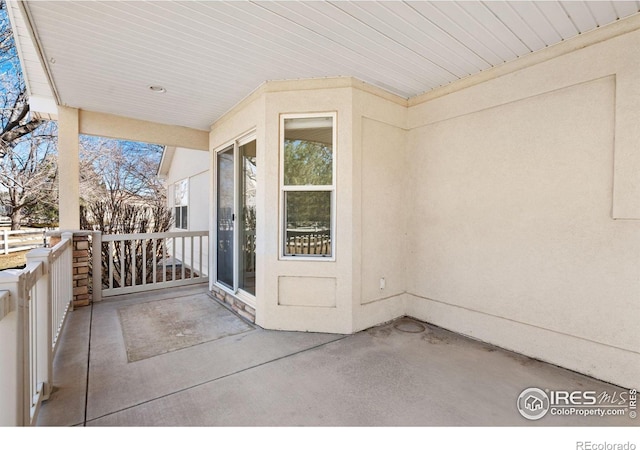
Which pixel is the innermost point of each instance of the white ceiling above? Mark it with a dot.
(103, 55)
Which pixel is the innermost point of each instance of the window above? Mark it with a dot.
(180, 203)
(308, 184)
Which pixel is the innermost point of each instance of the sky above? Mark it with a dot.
(9, 66)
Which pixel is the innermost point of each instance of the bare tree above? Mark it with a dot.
(120, 171)
(15, 121)
(28, 172)
(28, 176)
(121, 194)
(115, 174)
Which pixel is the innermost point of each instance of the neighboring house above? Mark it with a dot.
(185, 174)
(498, 200)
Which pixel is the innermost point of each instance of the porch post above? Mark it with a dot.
(69, 168)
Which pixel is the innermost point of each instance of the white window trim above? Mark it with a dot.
(175, 205)
(298, 188)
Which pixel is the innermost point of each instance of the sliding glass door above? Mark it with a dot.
(248, 172)
(236, 172)
(225, 215)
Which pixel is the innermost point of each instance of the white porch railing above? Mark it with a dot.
(20, 240)
(34, 303)
(128, 263)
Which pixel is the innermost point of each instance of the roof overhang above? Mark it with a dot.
(165, 163)
(43, 101)
(105, 56)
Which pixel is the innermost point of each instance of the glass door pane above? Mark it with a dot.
(225, 216)
(248, 172)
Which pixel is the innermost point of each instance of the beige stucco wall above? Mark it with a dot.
(379, 209)
(324, 294)
(518, 181)
(117, 127)
(286, 301)
(506, 210)
(618, 56)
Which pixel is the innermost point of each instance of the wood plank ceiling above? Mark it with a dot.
(103, 55)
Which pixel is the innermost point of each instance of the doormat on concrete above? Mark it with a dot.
(157, 327)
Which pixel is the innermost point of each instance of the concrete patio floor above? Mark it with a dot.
(403, 373)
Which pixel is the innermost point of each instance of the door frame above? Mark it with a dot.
(237, 165)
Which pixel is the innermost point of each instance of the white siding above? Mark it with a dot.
(192, 165)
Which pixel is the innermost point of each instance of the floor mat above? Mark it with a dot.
(157, 327)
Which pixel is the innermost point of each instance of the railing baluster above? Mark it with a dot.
(55, 312)
(33, 349)
(123, 272)
(164, 260)
(173, 256)
(184, 256)
(133, 262)
(191, 261)
(155, 260)
(143, 243)
(111, 258)
(54, 274)
(200, 255)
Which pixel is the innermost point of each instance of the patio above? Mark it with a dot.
(403, 373)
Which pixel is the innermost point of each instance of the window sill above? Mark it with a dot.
(308, 258)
